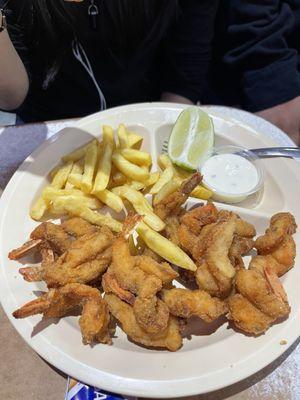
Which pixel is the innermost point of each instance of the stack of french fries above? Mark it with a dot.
(115, 172)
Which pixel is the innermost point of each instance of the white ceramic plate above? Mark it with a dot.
(216, 356)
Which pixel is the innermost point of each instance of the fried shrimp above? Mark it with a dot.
(150, 312)
(198, 217)
(61, 274)
(240, 247)
(171, 204)
(78, 227)
(216, 258)
(261, 298)
(243, 228)
(35, 273)
(54, 235)
(281, 225)
(285, 255)
(279, 243)
(162, 270)
(56, 303)
(186, 303)
(85, 260)
(171, 229)
(168, 338)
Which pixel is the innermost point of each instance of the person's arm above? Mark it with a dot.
(187, 51)
(14, 81)
(261, 56)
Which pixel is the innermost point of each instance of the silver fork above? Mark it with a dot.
(264, 152)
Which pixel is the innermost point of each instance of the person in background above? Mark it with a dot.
(257, 60)
(69, 58)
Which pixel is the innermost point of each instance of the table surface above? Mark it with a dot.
(24, 375)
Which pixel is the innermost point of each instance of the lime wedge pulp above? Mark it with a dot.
(192, 139)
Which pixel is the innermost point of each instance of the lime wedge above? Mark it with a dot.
(192, 139)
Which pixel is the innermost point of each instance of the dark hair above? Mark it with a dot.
(125, 24)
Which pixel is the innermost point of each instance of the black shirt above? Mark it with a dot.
(256, 53)
(176, 60)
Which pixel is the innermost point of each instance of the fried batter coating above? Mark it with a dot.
(57, 303)
(83, 260)
(262, 296)
(111, 285)
(150, 313)
(240, 247)
(171, 205)
(253, 285)
(78, 227)
(186, 303)
(285, 255)
(203, 241)
(168, 338)
(246, 316)
(215, 271)
(62, 274)
(162, 270)
(206, 280)
(53, 234)
(281, 225)
(187, 240)
(171, 229)
(216, 255)
(243, 228)
(200, 216)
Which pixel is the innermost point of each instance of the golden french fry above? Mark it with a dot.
(75, 180)
(54, 171)
(165, 162)
(50, 194)
(78, 153)
(90, 163)
(77, 167)
(76, 171)
(38, 210)
(141, 206)
(111, 200)
(122, 136)
(58, 182)
(136, 185)
(202, 193)
(165, 248)
(69, 186)
(82, 198)
(153, 178)
(134, 140)
(116, 178)
(130, 170)
(104, 166)
(62, 175)
(168, 188)
(137, 157)
(74, 207)
(164, 178)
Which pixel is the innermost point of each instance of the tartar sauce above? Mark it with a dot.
(230, 176)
